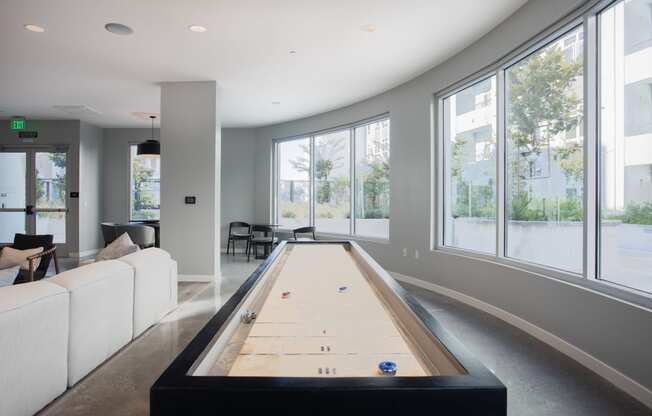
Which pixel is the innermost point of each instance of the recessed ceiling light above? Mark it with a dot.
(35, 28)
(368, 28)
(276, 103)
(197, 28)
(118, 29)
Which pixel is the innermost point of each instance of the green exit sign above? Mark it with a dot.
(17, 124)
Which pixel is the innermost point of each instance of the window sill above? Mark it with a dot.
(600, 287)
(335, 236)
(355, 238)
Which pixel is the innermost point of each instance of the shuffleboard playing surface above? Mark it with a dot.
(320, 330)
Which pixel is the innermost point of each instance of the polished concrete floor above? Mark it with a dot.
(539, 380)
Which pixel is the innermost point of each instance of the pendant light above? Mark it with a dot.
(150, 147)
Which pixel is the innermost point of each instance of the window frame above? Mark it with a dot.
(585, 15)
(351, 127)
(130, 184)
(439, 243)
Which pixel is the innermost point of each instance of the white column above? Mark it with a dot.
(190, 166)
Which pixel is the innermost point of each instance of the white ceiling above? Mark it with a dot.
(246, 49)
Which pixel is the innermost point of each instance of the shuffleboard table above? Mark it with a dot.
(321, 328)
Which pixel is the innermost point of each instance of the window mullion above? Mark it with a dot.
(277, 177)
(440, 174)
(352, 181)
(591, 148)
(311, 215)
(501, 194)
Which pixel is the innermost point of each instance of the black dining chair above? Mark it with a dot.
(268, 240)
(25, 242)
(237, 233)
(304, 230)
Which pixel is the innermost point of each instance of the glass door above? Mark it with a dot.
(33, 196)
(13, 194)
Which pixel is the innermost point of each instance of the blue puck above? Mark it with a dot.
(387, 367)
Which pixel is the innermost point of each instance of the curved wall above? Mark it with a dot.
(614, 332)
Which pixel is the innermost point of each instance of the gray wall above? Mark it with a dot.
(613, 331)
(190, 166)
(238, 174)
(238, 177)
(60, 132)
(91, 192)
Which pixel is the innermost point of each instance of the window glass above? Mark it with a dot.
(625, 49)
(470, 168)
(372, 172)
(333, 182)
(293, 199)
(335, 186)
(13, 185)
(145, 201)
(544, 155)
(51, 194)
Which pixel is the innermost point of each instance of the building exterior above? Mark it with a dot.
(626, 104)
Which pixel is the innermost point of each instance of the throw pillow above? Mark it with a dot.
(11, 257)
(119, 247)
(8, 276)
(132, 249)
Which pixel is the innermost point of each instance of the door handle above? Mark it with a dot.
(29, 209)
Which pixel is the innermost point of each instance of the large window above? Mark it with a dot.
(372, 180)
(625, 82)
(293, 194)
(333, 182)
(323, 178)
(469, 123)
(535, 169)
(145, 195)
(544, 158)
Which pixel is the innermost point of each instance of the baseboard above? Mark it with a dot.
(620, 380)
(199, 278)
(85, 253)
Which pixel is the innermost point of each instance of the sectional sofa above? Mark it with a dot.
(55, 331)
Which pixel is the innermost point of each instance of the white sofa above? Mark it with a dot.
(33, 346)
(101, 313)
(153, 298)
(55, 331)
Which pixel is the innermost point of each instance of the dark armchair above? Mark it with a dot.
(25, 242)
(108, 232)
(143, 236)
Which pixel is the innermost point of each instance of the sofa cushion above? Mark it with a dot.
(101, 313)
(34, 346)
(119, 247)
(174, 285)
(152, 286)
(8, 275)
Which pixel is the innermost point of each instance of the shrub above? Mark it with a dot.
(375, 213)
(287, 213)
(571, 210)
(638, 213)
